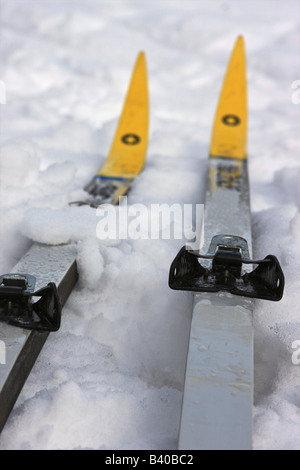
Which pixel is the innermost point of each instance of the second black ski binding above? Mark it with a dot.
(228, 253)
(17, 307)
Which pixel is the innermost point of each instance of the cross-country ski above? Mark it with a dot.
(218, 392)
(49, 273)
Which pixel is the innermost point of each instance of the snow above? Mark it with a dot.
(112, 377)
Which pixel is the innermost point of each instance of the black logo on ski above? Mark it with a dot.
(130, 139)
(231, 120)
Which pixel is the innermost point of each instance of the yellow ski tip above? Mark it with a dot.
(128, 151)
(240, 40)
(229, 136)
(140, 62)
(141, 56)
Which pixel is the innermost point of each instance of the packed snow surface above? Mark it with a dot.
(112, 377)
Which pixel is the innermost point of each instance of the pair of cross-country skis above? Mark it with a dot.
(217, 399)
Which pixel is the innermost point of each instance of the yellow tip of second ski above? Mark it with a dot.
(128, 151)
(229, 136)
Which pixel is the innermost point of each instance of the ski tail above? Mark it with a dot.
(229, 135)
(128, 151)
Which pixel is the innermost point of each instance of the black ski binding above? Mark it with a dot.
(228, 253)
(18, 309)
